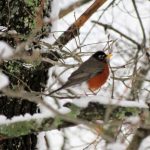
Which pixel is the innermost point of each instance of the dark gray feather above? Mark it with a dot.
(87, 70)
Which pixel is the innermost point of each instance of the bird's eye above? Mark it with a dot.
(100, 56)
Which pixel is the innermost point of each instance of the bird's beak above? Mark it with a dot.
(109, 56)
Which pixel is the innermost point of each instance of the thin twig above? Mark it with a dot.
(72, 31)
(106, 26)
(141, 24)
(88, 33)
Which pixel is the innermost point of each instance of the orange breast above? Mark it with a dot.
(97, 81)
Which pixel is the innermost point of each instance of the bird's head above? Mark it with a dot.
(101, 56)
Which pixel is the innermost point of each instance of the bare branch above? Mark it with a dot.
(74, 28)
(106, 26)
(141, 24)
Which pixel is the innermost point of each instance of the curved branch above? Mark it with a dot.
(73, 30)
(106, 26)
(141, 24)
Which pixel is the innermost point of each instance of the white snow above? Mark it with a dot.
(50, 101)
(78, 137)
(26, 117)
(63, 4)
(55, 139)
(133, 120)
(83, 102)
(116, 146)
(4, 81)
(3, 119)
(2, 29)
(5, 50)
(41, 142)
(54, 17)
(55, 8)
(145, 145)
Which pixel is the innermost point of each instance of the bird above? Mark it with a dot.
(94, 72)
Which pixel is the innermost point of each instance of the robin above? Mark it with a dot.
(94, 71)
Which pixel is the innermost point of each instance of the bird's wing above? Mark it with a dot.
(87, 70)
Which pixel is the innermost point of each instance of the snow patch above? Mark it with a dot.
(26, 117)
(116, 146)
(58, 142)
(5, 50)
(41, 142)
(54, 15)
(145, 145)
(133, 119)
(83, 102)
(3, 80)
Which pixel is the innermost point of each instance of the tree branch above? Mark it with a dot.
(67, 10)
(140, 21)
(117, 31)
(73, 30)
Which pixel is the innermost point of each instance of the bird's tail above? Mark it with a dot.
(62, 87)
